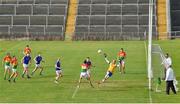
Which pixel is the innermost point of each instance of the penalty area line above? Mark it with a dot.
(75, 92)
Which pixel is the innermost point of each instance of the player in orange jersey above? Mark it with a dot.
(7, 67)
(14, 64)
(121, 58)
(84, 74)
(27, 50)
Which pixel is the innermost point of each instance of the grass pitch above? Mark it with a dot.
(128, 88)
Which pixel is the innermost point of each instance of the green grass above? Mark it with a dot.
(128, 88)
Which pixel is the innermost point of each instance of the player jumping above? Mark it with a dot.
(121, 57)
(58, 71)
(26, 60)
(27, 50)
(111, 69)
(89, 65)
(7, 67)
(38, 59)
(14, 64)
(84, 74)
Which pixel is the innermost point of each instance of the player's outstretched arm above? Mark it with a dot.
(105, 56)
(107, 60)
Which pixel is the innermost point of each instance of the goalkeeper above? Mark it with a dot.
(111, 69)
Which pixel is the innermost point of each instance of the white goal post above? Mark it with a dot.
(149, 68)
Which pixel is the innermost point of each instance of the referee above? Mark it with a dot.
(169, 80)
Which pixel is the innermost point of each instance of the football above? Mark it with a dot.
(99, 51)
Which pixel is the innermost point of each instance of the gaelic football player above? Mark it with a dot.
(58, 71)
(14, 64)
(84, 74)
(89, 65)
(121, 58)
(38, 59)
(27, 50)
(7, 67)
(26, 61)
(111, 69)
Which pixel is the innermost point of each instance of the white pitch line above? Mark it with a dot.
(150, 96)
(76, 90)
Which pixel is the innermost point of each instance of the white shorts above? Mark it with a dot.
(14, 70)
(25, 65)
(122, 62)
(84, 75)
(38, 65)
(7, 67)
(58, 72)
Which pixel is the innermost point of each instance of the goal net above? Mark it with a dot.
(158, 67)
(159, 64)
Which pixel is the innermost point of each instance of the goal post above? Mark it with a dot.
(149, 68)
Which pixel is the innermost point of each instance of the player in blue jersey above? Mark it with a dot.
(38, 59)
(26, 60)
(58, 70)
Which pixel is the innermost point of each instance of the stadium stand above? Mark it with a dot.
(33, 18)
(175, 15)
(113, 19)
